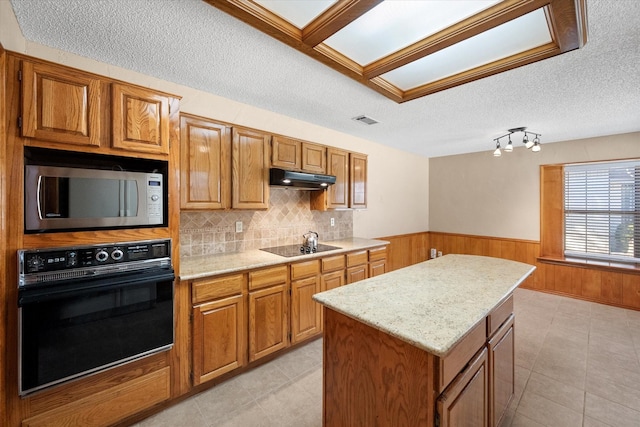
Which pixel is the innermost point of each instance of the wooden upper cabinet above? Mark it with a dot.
(140, 119)
(60, 104)
(314, 158)
(350, 189)
(205, 163)
(285, 153)
(291, 154)
(337, 195)
(358, 181)
(250, 169)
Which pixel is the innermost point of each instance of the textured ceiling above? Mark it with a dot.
(589, 92)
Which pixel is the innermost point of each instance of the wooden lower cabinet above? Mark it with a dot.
(377, 268)
(109, 406)
(305, 312)
(218, 338)
(357, 266)
(332, 280)
(501, 371)
(268, 325)
(466, 401)
(355, 274)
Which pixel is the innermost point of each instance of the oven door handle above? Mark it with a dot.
(37, 294)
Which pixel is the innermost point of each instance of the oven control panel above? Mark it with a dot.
(92, 258)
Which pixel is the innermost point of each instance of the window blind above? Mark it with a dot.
(602, 211)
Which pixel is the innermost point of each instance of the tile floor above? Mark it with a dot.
(577, 364)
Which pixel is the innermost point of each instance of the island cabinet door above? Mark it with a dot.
(268, 321)
(501, 371)
(219, 338)
(466, 401)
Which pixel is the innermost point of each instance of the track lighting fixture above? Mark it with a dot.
(533, 145)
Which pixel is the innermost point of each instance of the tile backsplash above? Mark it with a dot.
(284, 223)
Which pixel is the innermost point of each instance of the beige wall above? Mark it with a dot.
(394, 207)
(479, 194)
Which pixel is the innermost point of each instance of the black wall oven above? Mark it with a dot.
(85, 309)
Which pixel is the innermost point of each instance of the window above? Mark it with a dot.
(602, 211)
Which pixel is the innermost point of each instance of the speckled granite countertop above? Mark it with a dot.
(209, 265)
(431, 305)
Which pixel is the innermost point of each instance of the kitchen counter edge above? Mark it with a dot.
(430, 305)
(196, 267)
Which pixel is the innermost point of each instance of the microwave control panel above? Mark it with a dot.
(154, 198)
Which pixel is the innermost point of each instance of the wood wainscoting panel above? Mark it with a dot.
(605, 285)
(406, 249)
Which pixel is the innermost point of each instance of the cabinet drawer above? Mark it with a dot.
(461, 354)
(304, 269)
(498, 315)
(357, 258)
(268, 277)
(216, 287)
(332, 263)
(378, 253)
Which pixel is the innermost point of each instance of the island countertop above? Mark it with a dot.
(433, 304)
(209, 265)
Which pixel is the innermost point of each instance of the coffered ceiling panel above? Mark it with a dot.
(409, 49)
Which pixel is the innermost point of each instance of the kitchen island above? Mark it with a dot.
(433, 340)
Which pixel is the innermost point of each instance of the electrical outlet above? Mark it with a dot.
(439, 253)
(333, 222)
(238, 226)
(433, 252)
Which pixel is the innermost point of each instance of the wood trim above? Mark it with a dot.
(551, 210)
(568, 23)
(472, 26)
(505, 64)
(3, 228)
(566, 18)
(592, 264)
(334, 19)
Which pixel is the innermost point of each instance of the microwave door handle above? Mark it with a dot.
(38, 195)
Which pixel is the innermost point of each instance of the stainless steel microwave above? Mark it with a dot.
(63, 198)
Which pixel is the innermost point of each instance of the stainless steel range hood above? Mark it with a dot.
(299, 180)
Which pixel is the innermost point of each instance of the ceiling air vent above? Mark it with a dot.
(365, 120)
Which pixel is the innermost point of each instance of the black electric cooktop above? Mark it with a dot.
(295, 250)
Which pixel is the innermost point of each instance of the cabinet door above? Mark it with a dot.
(331, 280)
(218, 338)
(314, 158)
(305, 312)
(205, 164)
(377, 268)
(338, 165)
(250, 169)
(501, 372)
(466, 401)
(268, 312)
(60, 104)
(140, 119)
(357, 181)
(285, 153)
(355, 274)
